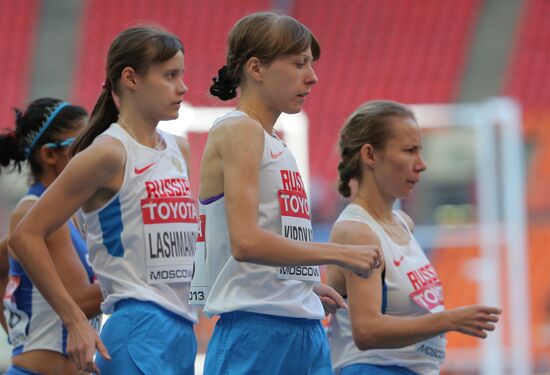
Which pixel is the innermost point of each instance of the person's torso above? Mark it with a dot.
(283, 209)
(410, 287)
(142, 241)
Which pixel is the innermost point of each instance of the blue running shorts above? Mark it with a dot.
(366, 369)
(16, 370)
(146, 339)
(250, 343)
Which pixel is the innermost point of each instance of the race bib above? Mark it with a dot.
(429, 297)
(433, 348)
(296, 225)
(199, 286)
(17, 320)
(170, 225)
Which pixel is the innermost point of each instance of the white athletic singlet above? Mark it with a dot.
(410, 287)
(227, 285)
(142, 241)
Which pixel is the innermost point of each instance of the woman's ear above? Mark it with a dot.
(368, 155)
(47, 155)
(128, 78)
(253, 67)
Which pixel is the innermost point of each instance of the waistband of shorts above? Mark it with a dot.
(252, 316)
(21, 370)
(148, 306)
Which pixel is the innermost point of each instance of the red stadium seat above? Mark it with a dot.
(18, 23)
(413, 52)
(202, 26)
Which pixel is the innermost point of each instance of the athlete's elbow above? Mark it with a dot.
(90, 309)
(241, 250)
(239, 255)
(363, 343)
(365, 338)
(244, 247)
(89, 301)
(16, 239)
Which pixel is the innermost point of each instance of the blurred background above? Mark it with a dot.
(483, 208)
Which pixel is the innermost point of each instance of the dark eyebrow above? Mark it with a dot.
(175, 70)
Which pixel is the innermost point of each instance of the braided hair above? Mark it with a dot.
(369, 124)
(265, 36)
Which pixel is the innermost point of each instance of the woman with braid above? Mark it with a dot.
(397, 313)
(260, 272)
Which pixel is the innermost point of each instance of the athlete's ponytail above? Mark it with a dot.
(104, 114)
(9, 152)
(139, 48)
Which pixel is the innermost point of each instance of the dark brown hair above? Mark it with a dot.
(263, 35)
(139, 48)
(368, 124)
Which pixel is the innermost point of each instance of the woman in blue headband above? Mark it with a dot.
(41, 138)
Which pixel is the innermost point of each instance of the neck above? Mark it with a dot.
(259, 111)
(371, 199)
(46, 178)
(141, 129)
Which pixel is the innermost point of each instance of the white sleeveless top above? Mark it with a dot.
(227, 285)
(410, 287)
(142, 241)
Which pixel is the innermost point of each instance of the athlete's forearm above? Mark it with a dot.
(265, 247)
(388, 331)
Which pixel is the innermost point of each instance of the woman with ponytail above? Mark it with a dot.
(396, 319)
(41, 139)
(131, 180)
(261, 272)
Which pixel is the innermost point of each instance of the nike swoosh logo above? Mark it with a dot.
(398, 262)
(140, 171)
(277, 154)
